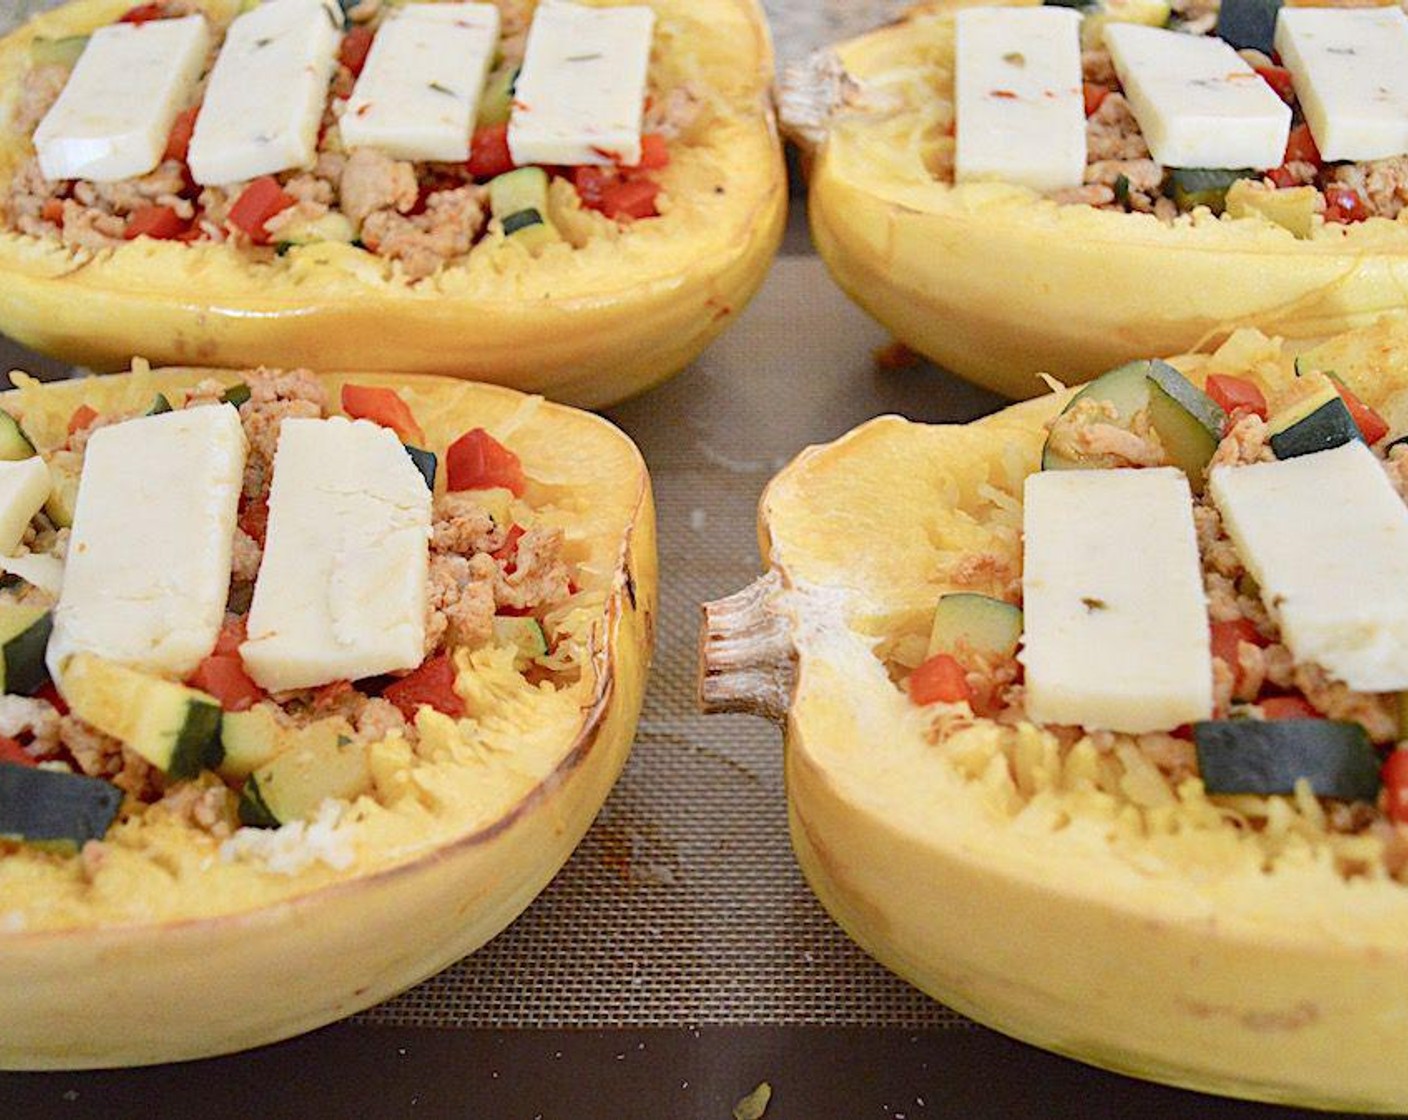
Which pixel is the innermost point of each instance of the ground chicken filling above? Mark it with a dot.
(479, 569)
(1120, 173)
(1255, 675)
(422, 216)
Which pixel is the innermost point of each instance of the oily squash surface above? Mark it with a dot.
(492, 805)
(589, 325)
(996, 283)
(1061, 901)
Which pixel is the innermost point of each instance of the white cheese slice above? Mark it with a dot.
(24, 488)
(341, 589)
(1350, 68)
(418, 95)
(1116, 628)
(1017, 90)
(1198, 103)
(115, 113)
(581, 92)
(148, 562)
(44, 571)
(1326, 538)
(265, 97)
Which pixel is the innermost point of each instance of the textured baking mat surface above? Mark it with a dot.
(683, 906)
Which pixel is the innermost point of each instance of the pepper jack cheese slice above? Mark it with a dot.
(581, 92)
(1350, 68)
(1020, 110)
(1116, 632)
(417, 96)
(266, 92)
(115, 112)
(341, 589)
(148, 563)
(24, 488)
(1326, 538)
(1198, 103)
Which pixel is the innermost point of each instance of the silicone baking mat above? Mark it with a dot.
(684, 906)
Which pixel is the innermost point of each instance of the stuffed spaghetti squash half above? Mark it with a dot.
(1214, 896)
(587, 277)
(996, 281)
(320, 677)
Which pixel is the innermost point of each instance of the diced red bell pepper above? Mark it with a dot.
(630, 198)
(941, 678)
(223, 676)
(433, 684)
(356, 45)
(654, 152)
(178, 140)
(254, 520)
(591, 181)
(1279, 79)
(192, 232)
(158, 222)
(1288, 707)
(257, 203)
(1236, 394)
(1226, 637)
(47, 691)
(82, 417)
(477, 461)
(1095, 95)
(1344, 204)
(1301, 146)
(507, 553)
(1371, 425)
(143, 13)
(488, 152)
(232, 635)
(11, 750)
(1394, 775)
(384, 407)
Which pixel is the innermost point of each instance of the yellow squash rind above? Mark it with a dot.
(1058, 919)
(995, 283)
(207, 973)
(590, 326)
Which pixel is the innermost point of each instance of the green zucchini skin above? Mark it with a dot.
(52, 809)
(519, 199)
(235, 394)
(1205, 186)
(1124, 387)
(1189, 397)
(1269, 756)
(984, 624)
(254, 813)
(1249, 24)
(295, 783)
(175, 728)
(24, 636)
(1188, 422)
(197, 745)
(522, 219)
(1327, 426)
(426, 462)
